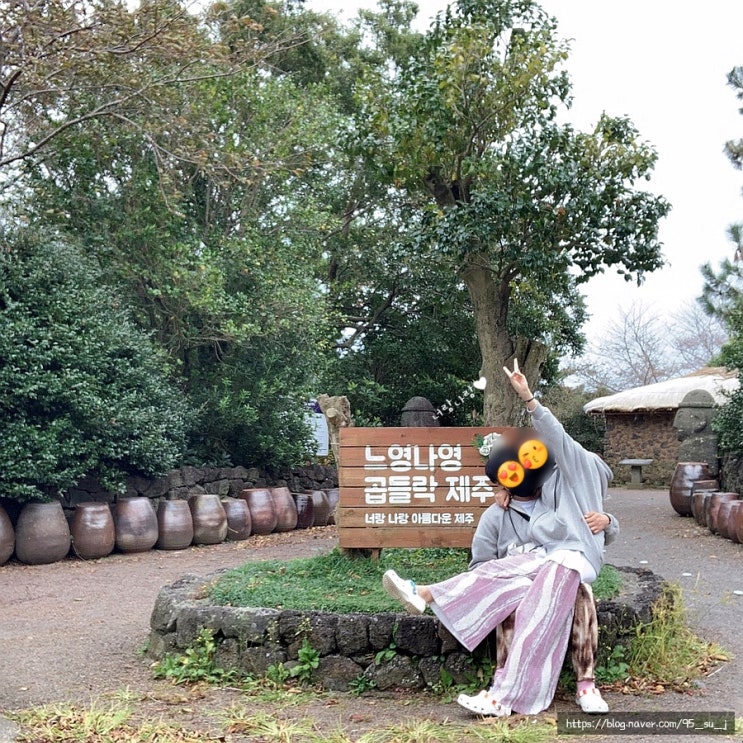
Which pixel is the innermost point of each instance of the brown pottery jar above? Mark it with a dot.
(174, 525)
(238, 519)
(699, 493)
(734, 515)
(305, 510)
(42, 534)
(333, 495)
(680, 491)
(135, 521)
(715, 501)
(286, 509)
(262, 509)
(7, 536)
(209, 518)
(739, 525)
(321, 507)
(92, 530)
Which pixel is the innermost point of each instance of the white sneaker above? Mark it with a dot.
(404, 592)
(483, 704)
(591, 702)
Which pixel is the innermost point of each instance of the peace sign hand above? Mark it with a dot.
(518, 381)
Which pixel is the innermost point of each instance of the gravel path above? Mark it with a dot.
(73, 630)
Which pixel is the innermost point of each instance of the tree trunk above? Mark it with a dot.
(490, 299)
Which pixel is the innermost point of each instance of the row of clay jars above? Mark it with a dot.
(720, 512)
(316, 508)
(278, 509)
(43, 534)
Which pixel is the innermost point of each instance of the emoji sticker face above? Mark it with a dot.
(533, 454)
(510, 474)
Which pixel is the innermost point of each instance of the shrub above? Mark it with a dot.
(82, 391)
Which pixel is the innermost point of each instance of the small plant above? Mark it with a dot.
(386, 655)
(308, 659)
(616, 667)
(196, 664)
(277, 674)
(361, 684)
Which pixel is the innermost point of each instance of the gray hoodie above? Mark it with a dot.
(577, 485)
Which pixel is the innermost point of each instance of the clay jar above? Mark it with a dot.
(715, 501)
(92, 530)
(209, 518)
(238, 519)
(734, 515)
(42, 534)
(333, 496)
(680, 491)
(739, 524)
(699, 493)
(7, 536)
(724, 518)
(262, 509)
(135, 522)
(174, 525)
(305, 510)
(321, 507)
(286, 509)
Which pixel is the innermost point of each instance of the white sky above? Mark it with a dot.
(663, 64)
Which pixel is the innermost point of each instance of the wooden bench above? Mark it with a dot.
(636, 465)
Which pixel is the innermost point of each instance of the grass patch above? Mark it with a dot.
(98, 723)
(665, 652)
(112, 723)
(337, 582)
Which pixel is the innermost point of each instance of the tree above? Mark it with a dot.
(82, 390)
(722, 297)
(516, 203)
(216, 255)
(696, 336)
(643, 346)
(67, 63)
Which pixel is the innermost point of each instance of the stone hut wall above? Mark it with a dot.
(648, 435)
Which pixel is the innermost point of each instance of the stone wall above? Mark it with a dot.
(224, 481)
(648, 435)
(349, 645)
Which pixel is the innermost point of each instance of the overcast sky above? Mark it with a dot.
(664, 64)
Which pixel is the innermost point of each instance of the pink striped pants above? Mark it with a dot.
(542, 595)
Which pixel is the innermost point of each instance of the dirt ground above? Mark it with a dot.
(75, 630)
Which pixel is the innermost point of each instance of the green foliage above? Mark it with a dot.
(220, 273)
(567, 405)
(608, 582)
(615, 668)
(361, 684)
(308, 659)
(521, 209)
(82, 390)
(386, 654)
(195, 665)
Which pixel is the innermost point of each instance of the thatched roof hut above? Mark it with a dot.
(639, 421)
(716, 380)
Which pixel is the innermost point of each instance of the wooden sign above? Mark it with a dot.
(411, 487)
